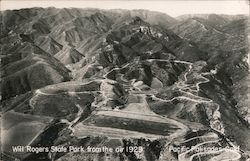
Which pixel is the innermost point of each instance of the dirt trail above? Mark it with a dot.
(182, 86)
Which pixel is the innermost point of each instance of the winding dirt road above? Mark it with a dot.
(182, 86)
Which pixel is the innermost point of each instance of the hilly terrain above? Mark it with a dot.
(173, 89)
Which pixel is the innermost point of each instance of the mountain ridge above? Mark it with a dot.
(104, 75)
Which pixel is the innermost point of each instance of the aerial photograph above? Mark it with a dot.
(125, 80)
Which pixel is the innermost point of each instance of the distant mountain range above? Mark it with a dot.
(104, 75)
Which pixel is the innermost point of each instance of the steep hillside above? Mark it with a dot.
(27, 67)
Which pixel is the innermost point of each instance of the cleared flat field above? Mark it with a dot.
(139, 125)
(121, 124)
(133, 115)
(82, 131)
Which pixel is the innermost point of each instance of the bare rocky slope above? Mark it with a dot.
(121, 78)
